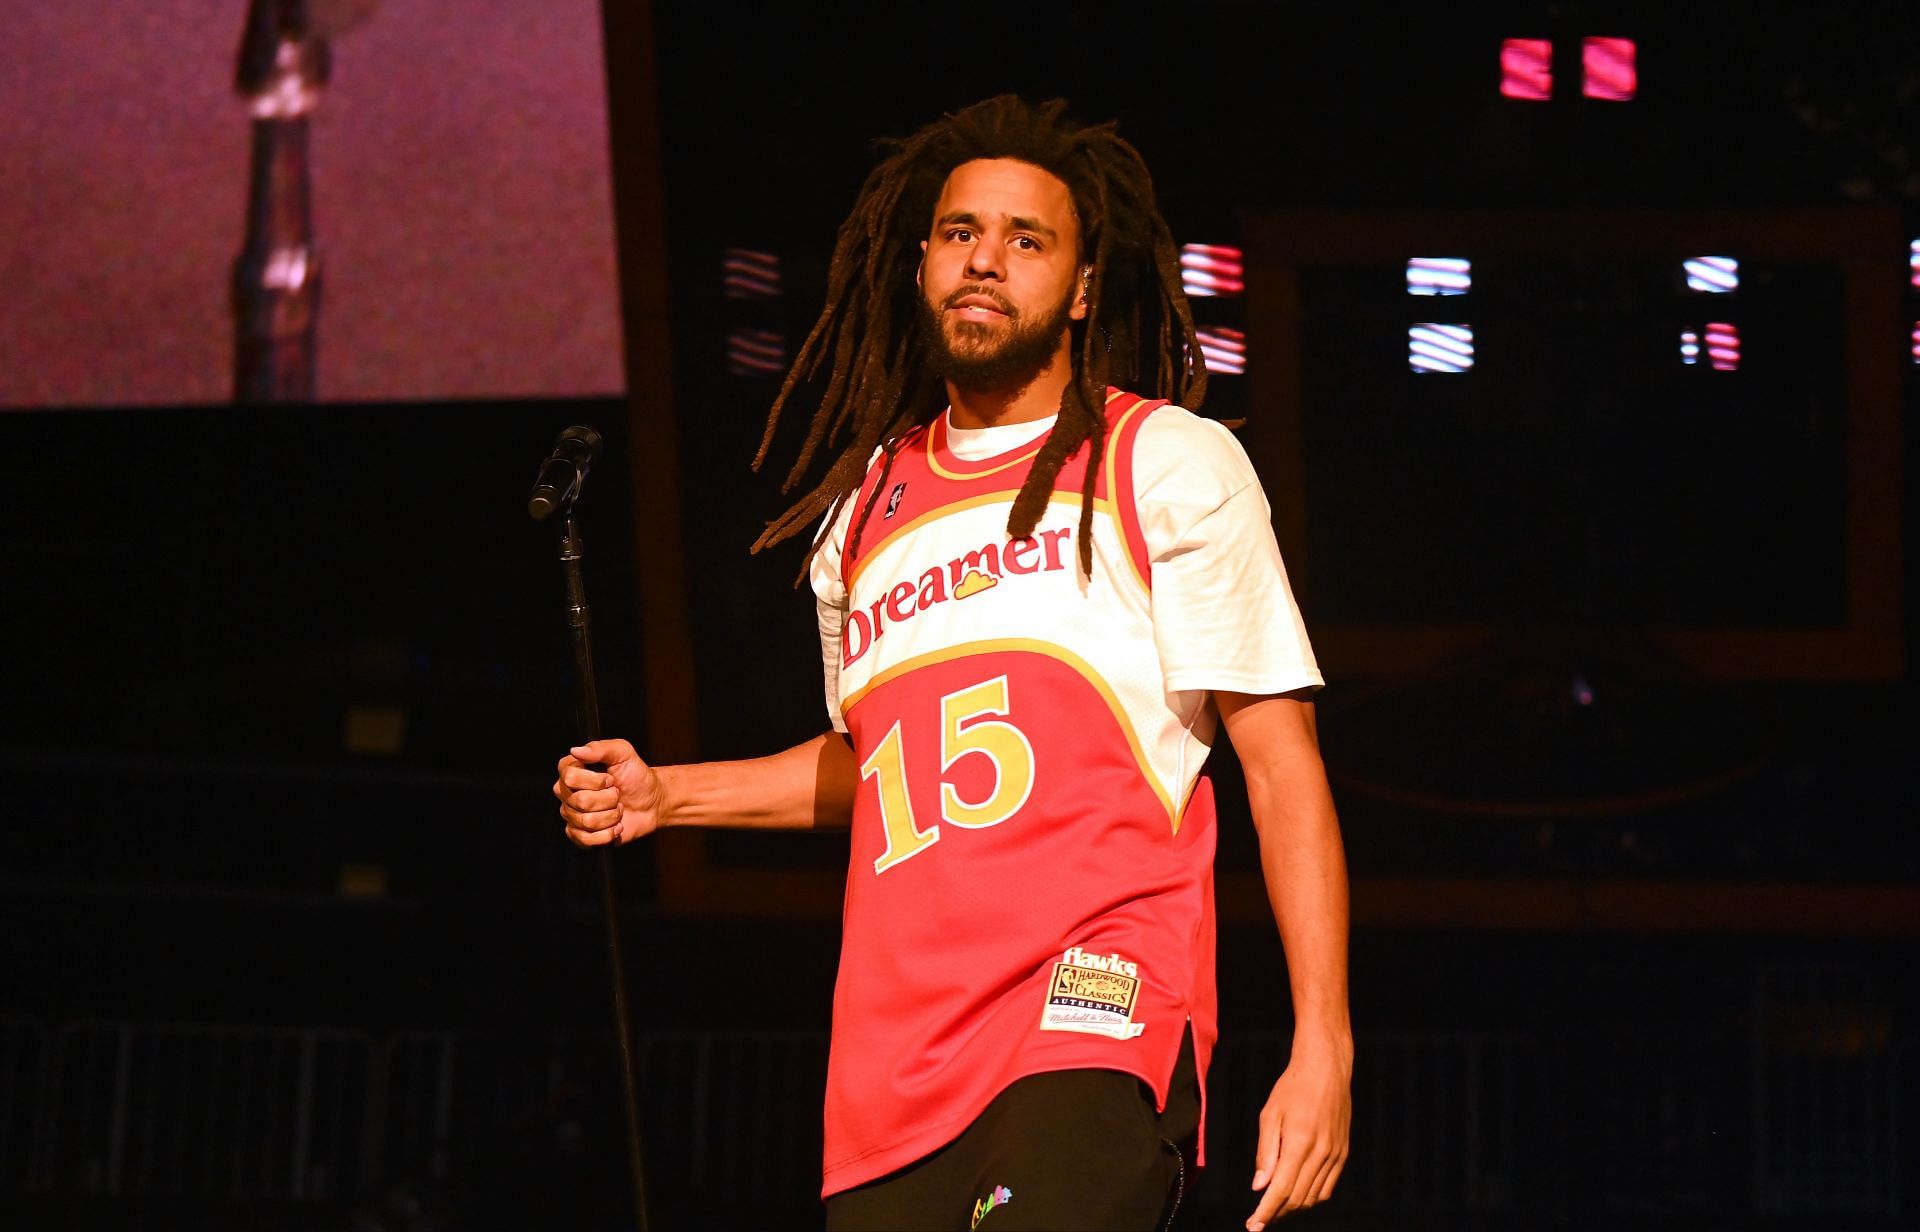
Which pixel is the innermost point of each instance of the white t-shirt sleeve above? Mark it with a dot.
(1224, 617)
(830, 609)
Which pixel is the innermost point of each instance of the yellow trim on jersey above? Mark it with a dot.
(1059, 654)
(1113, 491)
(1186, 801)
(868, 553)
(933, 463)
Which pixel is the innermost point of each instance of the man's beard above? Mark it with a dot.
(974, 360)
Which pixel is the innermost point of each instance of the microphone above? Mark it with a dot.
(564, 472)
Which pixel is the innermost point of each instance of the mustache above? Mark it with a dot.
(999, 301)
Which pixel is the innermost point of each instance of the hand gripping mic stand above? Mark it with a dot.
(557, 490)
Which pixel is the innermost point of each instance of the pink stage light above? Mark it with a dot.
(1913, 265)
(1212, 269)
(1610, 72)
(1225, 350)
(747, 274)
(1723, 346)
(1526, 68)
(756, 352)
(1916, 342)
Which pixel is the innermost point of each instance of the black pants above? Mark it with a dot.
(1079, 1149)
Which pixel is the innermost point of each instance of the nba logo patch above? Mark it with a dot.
(1093, 993)
(893, 499)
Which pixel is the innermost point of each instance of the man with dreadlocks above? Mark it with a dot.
(1039, 596)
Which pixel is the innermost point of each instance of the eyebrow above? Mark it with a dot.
(1017, 223)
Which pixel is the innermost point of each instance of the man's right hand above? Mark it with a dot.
(615, 805)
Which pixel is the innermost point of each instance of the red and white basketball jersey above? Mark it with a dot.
(1031, 879)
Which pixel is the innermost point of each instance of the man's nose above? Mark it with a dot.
(984, 260)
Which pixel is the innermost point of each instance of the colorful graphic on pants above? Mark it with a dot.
(1000, 1196)
(1093, 993)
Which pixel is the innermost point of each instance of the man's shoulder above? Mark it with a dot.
(1169, 418)
(1175, 444)
(1125, 404)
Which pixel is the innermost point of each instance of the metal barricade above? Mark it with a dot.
(1444, 1123)
(182, 1110)
(744, 1107)
(1826, 1099)
(23, 1099)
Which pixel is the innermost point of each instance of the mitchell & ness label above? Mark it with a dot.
(1094, 993)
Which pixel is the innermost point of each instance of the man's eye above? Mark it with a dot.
(960, 235)
(1027, 242)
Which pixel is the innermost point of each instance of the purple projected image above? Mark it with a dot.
(462, 241)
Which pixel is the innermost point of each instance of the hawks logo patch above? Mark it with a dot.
(1094, 993)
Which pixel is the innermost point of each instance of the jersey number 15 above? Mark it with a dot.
(966, 726)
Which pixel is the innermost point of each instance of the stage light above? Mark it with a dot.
(1609, 65)
(1225, 350)
(1212, 269)
(1916, 342)
(1439, 276)
(1723, 346)
(748, 274)
(1526, 68)
(1689, 347)
(1432, 347)
(756, 352)
(1913, 265)
(1714, 275)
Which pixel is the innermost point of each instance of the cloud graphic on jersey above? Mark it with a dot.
(974, 583)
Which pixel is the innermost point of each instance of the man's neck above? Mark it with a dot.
(1023, 403)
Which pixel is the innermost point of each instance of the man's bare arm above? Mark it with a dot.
(1304, 1126)
(807, 787)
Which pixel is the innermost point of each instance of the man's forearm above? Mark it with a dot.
(807, 787)
(1304, 865)
(1301, 858)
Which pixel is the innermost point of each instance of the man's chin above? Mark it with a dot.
(973, 337)
(990, 376)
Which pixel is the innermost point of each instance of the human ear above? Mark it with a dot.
(1079, 310)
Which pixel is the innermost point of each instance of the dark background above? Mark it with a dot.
(292, 939)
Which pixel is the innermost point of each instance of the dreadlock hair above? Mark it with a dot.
(1138, 330)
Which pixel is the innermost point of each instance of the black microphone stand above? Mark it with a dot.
(587, 706)
(284, 65)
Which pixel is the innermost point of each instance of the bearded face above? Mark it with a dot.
(1000, 279)
(985, 355)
